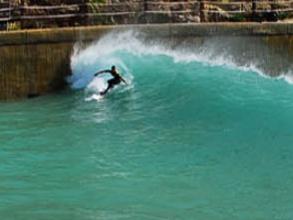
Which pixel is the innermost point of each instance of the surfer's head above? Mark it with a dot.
(113, 68)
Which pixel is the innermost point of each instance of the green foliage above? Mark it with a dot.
(98, 1)
(283, 15)
(238, 18)
(13, 26)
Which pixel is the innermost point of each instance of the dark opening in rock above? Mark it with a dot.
(33, 95)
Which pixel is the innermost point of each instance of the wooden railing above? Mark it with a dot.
(19, 16)
(5, 11)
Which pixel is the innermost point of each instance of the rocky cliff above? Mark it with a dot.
(62, 13)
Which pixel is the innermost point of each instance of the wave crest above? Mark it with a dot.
(213, 51)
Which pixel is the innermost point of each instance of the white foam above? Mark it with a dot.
(97, 85)
(93, 97)
(288, 77)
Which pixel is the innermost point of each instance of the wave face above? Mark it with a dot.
(206, 126)
(201, 132)
(241, 53)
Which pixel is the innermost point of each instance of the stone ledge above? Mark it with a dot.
(72, 34)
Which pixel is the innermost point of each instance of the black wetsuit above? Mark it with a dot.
(115, 80)
(112, 82)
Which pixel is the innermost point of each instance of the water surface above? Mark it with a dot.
(186, 139)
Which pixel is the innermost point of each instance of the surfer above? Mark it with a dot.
(117, 79)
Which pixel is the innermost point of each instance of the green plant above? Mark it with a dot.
(97, 1)
(238, 18)
(282, 15)
(13, 26)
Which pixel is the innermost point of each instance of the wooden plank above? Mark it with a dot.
(5, 9)
(51, 7)
(245, 2)
(5, 19)
(34, 17)
(241, 12)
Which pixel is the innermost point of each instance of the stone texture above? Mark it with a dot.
(89, 12)
(33, 69)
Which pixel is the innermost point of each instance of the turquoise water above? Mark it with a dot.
(185, 140)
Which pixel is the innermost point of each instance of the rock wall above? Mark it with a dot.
(61, 13)
(28, 14)
(32, 70)
(86, 12)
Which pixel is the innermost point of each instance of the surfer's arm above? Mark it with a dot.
(123, 80)
(103, 71)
